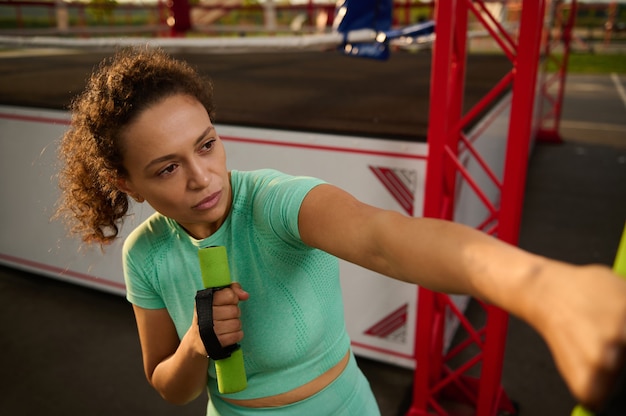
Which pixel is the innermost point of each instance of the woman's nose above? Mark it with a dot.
(199, 178)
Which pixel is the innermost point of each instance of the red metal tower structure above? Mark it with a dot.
(436, 383)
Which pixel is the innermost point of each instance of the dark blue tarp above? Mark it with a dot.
(364, 14)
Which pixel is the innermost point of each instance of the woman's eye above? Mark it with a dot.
(208, 145)
(167, 170)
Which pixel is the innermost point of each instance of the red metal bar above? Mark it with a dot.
(426, 372)
(489, 98)
(521, 118)
(181, 15)
(447, 75)
(480, 160)
(421, 380)
(475, 187)
(490, 219)
(454, 109)
(516, 160)
(438, 125)
(456, 377)
(477, 337)
(474, 335)
(500, 36)
(550, 133)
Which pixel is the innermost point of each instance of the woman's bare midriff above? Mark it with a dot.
(299, 393)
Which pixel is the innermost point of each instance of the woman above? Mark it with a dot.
(143, 128)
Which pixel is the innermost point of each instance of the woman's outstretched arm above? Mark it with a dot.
(579, 310)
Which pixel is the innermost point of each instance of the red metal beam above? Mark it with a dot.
(553, 88)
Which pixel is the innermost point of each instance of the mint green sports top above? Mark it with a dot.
(293, 323)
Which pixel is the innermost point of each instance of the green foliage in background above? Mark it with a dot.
(101, 9)
(593, 63)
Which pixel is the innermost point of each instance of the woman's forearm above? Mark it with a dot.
(452, 258)
(182, 377)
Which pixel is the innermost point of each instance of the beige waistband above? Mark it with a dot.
(299, 393)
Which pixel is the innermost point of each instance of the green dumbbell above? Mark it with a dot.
(231, 374)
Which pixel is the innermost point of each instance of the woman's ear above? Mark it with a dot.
(123, 185)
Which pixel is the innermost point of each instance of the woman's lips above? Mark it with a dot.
(208, 202)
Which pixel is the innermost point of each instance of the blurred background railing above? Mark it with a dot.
(208, 17)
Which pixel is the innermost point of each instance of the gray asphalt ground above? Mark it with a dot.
(68, 350)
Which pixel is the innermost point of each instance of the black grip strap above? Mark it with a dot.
(204, 308)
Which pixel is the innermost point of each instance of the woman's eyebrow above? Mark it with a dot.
(165, 158)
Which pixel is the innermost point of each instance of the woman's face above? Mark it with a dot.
(176, 162)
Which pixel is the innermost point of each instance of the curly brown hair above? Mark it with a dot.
(91, 151)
